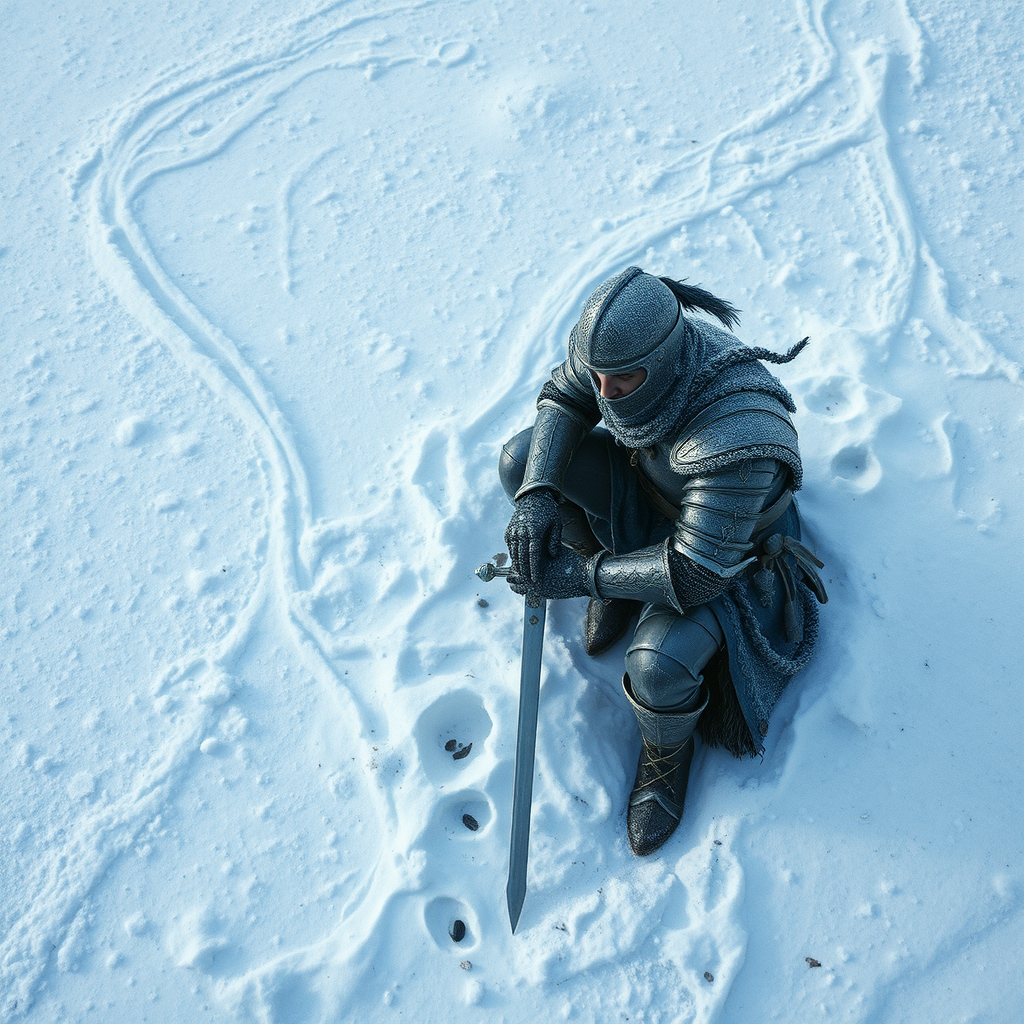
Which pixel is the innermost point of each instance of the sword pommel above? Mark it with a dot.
(488, 571)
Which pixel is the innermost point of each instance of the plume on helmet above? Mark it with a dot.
(692, 297)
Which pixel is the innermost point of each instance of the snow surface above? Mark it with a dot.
(277, 281)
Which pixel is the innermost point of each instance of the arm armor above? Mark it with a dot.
(659, 574)
(643, 575)
(556, 436)
(746, 425)
(720, 512)
(711, 542)
(566, 412)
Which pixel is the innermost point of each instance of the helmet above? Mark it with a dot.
(625, 322)
(632, 320)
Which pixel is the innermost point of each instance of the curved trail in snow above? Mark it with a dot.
(757, 154)
(110, 183)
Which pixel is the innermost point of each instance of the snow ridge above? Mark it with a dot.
(365, 234)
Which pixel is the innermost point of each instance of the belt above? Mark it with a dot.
(772, 558)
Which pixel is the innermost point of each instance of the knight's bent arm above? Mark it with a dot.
(709, 545)
(566, 413)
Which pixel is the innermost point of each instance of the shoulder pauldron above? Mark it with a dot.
(741, 426)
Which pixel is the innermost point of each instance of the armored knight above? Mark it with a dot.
(681, 507)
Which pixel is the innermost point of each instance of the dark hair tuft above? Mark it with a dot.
(692, 297)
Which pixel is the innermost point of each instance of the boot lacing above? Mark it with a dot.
(664, 761)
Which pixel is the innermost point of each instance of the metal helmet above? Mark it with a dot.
(625, 321)
(633, 320)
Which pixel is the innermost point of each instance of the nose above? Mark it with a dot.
(610, 388)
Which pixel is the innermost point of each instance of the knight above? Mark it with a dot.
(679, 512)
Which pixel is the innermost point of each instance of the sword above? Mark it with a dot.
(534, 615)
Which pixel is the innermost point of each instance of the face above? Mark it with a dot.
(618, 385)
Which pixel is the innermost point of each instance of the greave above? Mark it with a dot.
(662, 773)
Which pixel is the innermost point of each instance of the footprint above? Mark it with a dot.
(465, 815)
(699, 934)
(834, 397)
(855, 468)
(676, 913)
(450, 735)
(288, 995)
(973, 497)
(454, 52)
(451, 923)
(202, 940)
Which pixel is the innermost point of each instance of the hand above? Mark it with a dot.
(534, 533)
(568, 575)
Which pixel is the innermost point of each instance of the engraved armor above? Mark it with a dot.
(688, 491)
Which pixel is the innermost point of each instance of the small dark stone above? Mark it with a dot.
(718, 842)
(708, 976)
(450, 745)
(811, 962)
(457, 930)
(466, 965)
(464, 752)
(470, 822)
(482, 602)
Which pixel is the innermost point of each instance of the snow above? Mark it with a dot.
(278, 281)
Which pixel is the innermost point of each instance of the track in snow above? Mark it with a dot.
(325, 567)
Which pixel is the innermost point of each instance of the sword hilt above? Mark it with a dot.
(488, 571)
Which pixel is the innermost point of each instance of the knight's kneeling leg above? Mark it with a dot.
(663, 683)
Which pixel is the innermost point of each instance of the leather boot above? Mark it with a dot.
(606, 623)
(662, 772)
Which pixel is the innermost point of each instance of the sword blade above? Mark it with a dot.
(526, 747)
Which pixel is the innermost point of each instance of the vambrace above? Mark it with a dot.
(557, 434)
(643, 575)
(660, 574)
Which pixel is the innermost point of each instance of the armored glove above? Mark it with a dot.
(568, 575)
(534, 533)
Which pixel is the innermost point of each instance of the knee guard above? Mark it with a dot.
(668, 653)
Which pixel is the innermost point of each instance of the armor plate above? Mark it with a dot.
(556, 436)
(740, 426)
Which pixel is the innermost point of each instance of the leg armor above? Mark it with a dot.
(668, 653)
